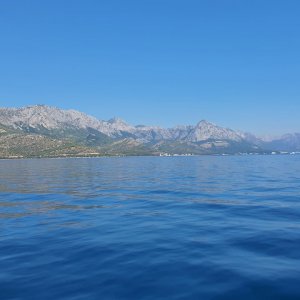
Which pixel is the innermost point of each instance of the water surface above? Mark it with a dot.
(150, 228)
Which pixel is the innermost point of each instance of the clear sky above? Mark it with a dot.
(161, 62)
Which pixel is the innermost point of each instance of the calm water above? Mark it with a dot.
(150, 228)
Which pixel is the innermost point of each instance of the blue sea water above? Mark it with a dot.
(207, 227)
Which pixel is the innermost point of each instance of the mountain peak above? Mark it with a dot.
(205, 123)
(120, 125)
(36, 106)
(205, 130)
(116, 120)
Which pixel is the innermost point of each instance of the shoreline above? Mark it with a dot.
(171, 155)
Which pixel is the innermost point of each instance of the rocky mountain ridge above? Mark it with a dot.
(115, 136)
(52, 118)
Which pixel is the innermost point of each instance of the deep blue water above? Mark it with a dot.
(150, 228)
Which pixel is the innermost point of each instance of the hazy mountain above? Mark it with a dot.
(288, 142)
(39, 128)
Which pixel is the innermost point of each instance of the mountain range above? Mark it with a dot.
(44, 131)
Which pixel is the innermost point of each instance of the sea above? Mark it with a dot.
(199, 227)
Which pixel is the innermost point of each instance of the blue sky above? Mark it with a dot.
(160, 62)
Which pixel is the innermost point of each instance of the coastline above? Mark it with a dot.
(145, 155)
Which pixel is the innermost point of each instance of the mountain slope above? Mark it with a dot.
(33, 145)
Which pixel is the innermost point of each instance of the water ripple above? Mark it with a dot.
(150, 228)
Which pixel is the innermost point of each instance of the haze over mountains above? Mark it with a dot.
(41, 130)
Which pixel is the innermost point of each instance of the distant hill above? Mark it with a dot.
(44, 131)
